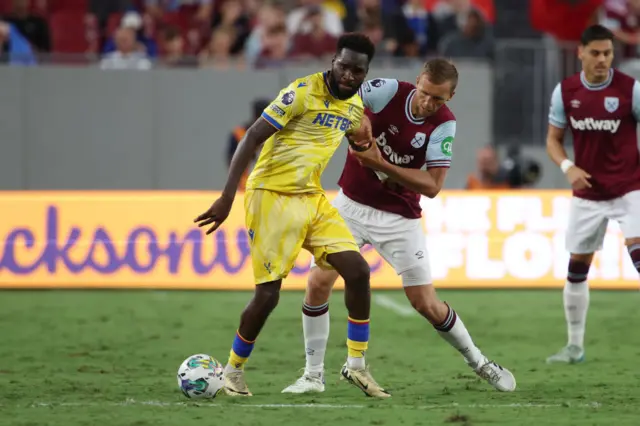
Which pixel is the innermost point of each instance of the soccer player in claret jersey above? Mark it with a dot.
(380, 201)
(601, 106)
(285, 205)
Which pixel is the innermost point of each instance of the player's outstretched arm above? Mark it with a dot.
(257, 134)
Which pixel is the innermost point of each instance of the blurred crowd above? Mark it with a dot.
(140, 34)
(228, 34)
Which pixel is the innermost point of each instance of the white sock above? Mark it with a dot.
(455, 333)
(315, 324)
(576, 304)
(356, 363)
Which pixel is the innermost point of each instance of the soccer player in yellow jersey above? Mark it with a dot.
(287, 210)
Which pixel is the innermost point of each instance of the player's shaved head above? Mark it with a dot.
(350, 65)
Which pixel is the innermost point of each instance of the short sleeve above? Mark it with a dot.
(356, 118)
(289, 103)
(440, 148)
(557, 116)
(635, 101)
(377, 93)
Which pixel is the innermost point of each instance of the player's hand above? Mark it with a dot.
(216, 214)
(360, 139)
(370, 157)
(578, 178)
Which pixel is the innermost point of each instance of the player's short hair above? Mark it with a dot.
(596, 33)
(440, 71)
(357, 42)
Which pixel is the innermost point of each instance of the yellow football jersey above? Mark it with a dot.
(311, 124)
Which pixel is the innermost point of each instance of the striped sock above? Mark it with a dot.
(240, 351)
(453, 330)
(634, 252)
(315, 324)
(357, 342)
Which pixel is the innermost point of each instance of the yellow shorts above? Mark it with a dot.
(280, 225)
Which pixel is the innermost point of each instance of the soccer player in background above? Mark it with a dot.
(286, 207)
(601, 106)
(379, 199)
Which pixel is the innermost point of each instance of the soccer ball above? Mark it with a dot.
(201, 376)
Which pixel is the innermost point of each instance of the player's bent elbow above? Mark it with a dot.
(431, 192)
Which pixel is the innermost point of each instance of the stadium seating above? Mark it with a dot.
(74, 32)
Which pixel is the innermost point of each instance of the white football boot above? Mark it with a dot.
(308, 383)
(496, 375)
(570, 354)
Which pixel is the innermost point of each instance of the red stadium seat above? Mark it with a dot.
(36, 7)
(5, 7)
(69, 5)
(113, 23)
(74, 32)
(40, 7)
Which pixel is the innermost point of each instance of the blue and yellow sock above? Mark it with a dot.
(240, 351)
(357, 337)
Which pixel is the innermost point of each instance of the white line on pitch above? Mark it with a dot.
(397, 307)
(131, 402)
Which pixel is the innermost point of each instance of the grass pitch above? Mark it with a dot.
(110, 357)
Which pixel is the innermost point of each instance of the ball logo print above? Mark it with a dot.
(446, 146)
(200, 376)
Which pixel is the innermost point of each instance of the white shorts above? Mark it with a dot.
(400, 241)
(588, 221)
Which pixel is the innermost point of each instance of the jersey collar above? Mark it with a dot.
(407, 109)
(325, 77)
(600, 86)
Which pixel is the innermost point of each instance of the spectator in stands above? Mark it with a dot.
(102, 9)
(623, 18)
(270, 14)
(275, 47)
(398, 38)
(217, 54)
(473, 41)
(203, 13)
(373, 29)
(14, 47)
(298, 24)
(34, 28)
(451, 15)
(317, 43)
(145, 44)
(173, 50)
(489, 174)
(232, 14)
(238, 132)
(419, 22)
(127, 55)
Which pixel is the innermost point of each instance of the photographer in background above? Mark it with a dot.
(514, 172)
(238, 132)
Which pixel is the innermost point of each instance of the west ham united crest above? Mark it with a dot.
(611, 104)
(418, 140)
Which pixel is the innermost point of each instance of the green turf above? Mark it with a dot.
(83, 354)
